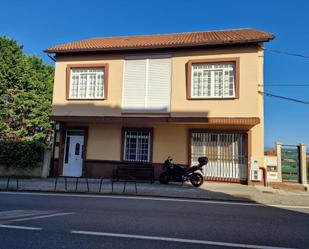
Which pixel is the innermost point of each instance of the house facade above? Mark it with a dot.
(139, 99)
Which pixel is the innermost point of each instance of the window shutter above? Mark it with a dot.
(147, 84)
(134, 85)
(159, 85)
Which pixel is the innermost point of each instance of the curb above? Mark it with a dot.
(129, 194)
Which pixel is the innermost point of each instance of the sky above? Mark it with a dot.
(41, 24)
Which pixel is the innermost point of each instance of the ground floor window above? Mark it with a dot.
(137, 145)
(226, 152)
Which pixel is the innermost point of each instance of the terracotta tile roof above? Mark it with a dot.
(192, 39)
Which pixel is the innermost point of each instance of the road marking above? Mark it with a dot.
(171, 199)
(21, 227)
(40, 217)
(13, 214)
(179, 240)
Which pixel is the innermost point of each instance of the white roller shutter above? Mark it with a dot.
(134, 85)
(159, 84)
(147, 84)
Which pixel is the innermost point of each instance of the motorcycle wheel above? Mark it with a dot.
(196, 179)
(164, 178)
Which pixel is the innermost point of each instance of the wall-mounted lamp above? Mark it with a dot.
(57, 126)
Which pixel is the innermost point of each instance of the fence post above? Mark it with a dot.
(278, 146)
(303, 166)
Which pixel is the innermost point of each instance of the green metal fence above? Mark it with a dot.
(290, 163)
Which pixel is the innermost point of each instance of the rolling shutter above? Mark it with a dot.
(147, 83)
(134, 85)
(159, 84)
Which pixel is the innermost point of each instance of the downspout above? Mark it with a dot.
(53, 151)
(54, 134)
(51, 57)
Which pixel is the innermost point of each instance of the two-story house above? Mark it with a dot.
(139, 99)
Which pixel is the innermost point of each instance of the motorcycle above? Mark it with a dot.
(179, 173)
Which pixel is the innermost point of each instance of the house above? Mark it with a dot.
(139, 99)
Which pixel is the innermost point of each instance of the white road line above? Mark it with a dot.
(21, 213)
(179, 240)
(21, 227)
(40, 217)
(171, 199)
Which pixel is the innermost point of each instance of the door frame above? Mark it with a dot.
(63, 132)
(248, 148)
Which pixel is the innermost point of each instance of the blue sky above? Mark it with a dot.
(40, 24)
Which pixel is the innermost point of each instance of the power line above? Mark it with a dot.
(298, 85)
(283, 97)
(286, 53)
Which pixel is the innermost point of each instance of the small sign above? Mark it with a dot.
(254, 163)
(272, 176)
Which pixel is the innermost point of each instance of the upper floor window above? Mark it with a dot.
(147, 84)
(87, 82)
(213, 79)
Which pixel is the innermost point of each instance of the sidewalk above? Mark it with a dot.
(209, 190)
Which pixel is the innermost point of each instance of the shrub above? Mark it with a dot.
(21, 154)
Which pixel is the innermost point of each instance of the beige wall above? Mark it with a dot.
(104, 141)
(245, 106)
(108, 107)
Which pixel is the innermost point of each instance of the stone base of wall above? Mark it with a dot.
(32, 172)
(40, 170)
(104, 168)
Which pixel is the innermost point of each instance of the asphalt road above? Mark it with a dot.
(34, 220)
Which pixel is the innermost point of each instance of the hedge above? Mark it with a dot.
(21, 154)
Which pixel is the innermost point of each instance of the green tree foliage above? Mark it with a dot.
(21, 154)
(25, 94)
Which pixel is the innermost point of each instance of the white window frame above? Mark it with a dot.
(138, 146)
(213, 70)
(90, 72)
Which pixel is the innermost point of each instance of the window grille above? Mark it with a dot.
(213, 80)
(87, 83)
(137, 146)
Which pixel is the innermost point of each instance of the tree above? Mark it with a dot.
(25, 94)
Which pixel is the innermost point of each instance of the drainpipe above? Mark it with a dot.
(55, 133)
(56, 129)
(264, 176)
(51, 57)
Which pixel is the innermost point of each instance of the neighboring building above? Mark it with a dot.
(140, 99)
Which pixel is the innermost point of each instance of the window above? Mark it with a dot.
(87, 82)
(226, 154)
(213, 79)
(77, 148)
(147, 84)
(137, 145)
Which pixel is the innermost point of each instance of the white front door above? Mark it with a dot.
(73, 154)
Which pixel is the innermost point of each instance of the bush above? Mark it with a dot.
(21, 154)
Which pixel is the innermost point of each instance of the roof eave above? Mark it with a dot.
(114, 49)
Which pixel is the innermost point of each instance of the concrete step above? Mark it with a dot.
(288, 186)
